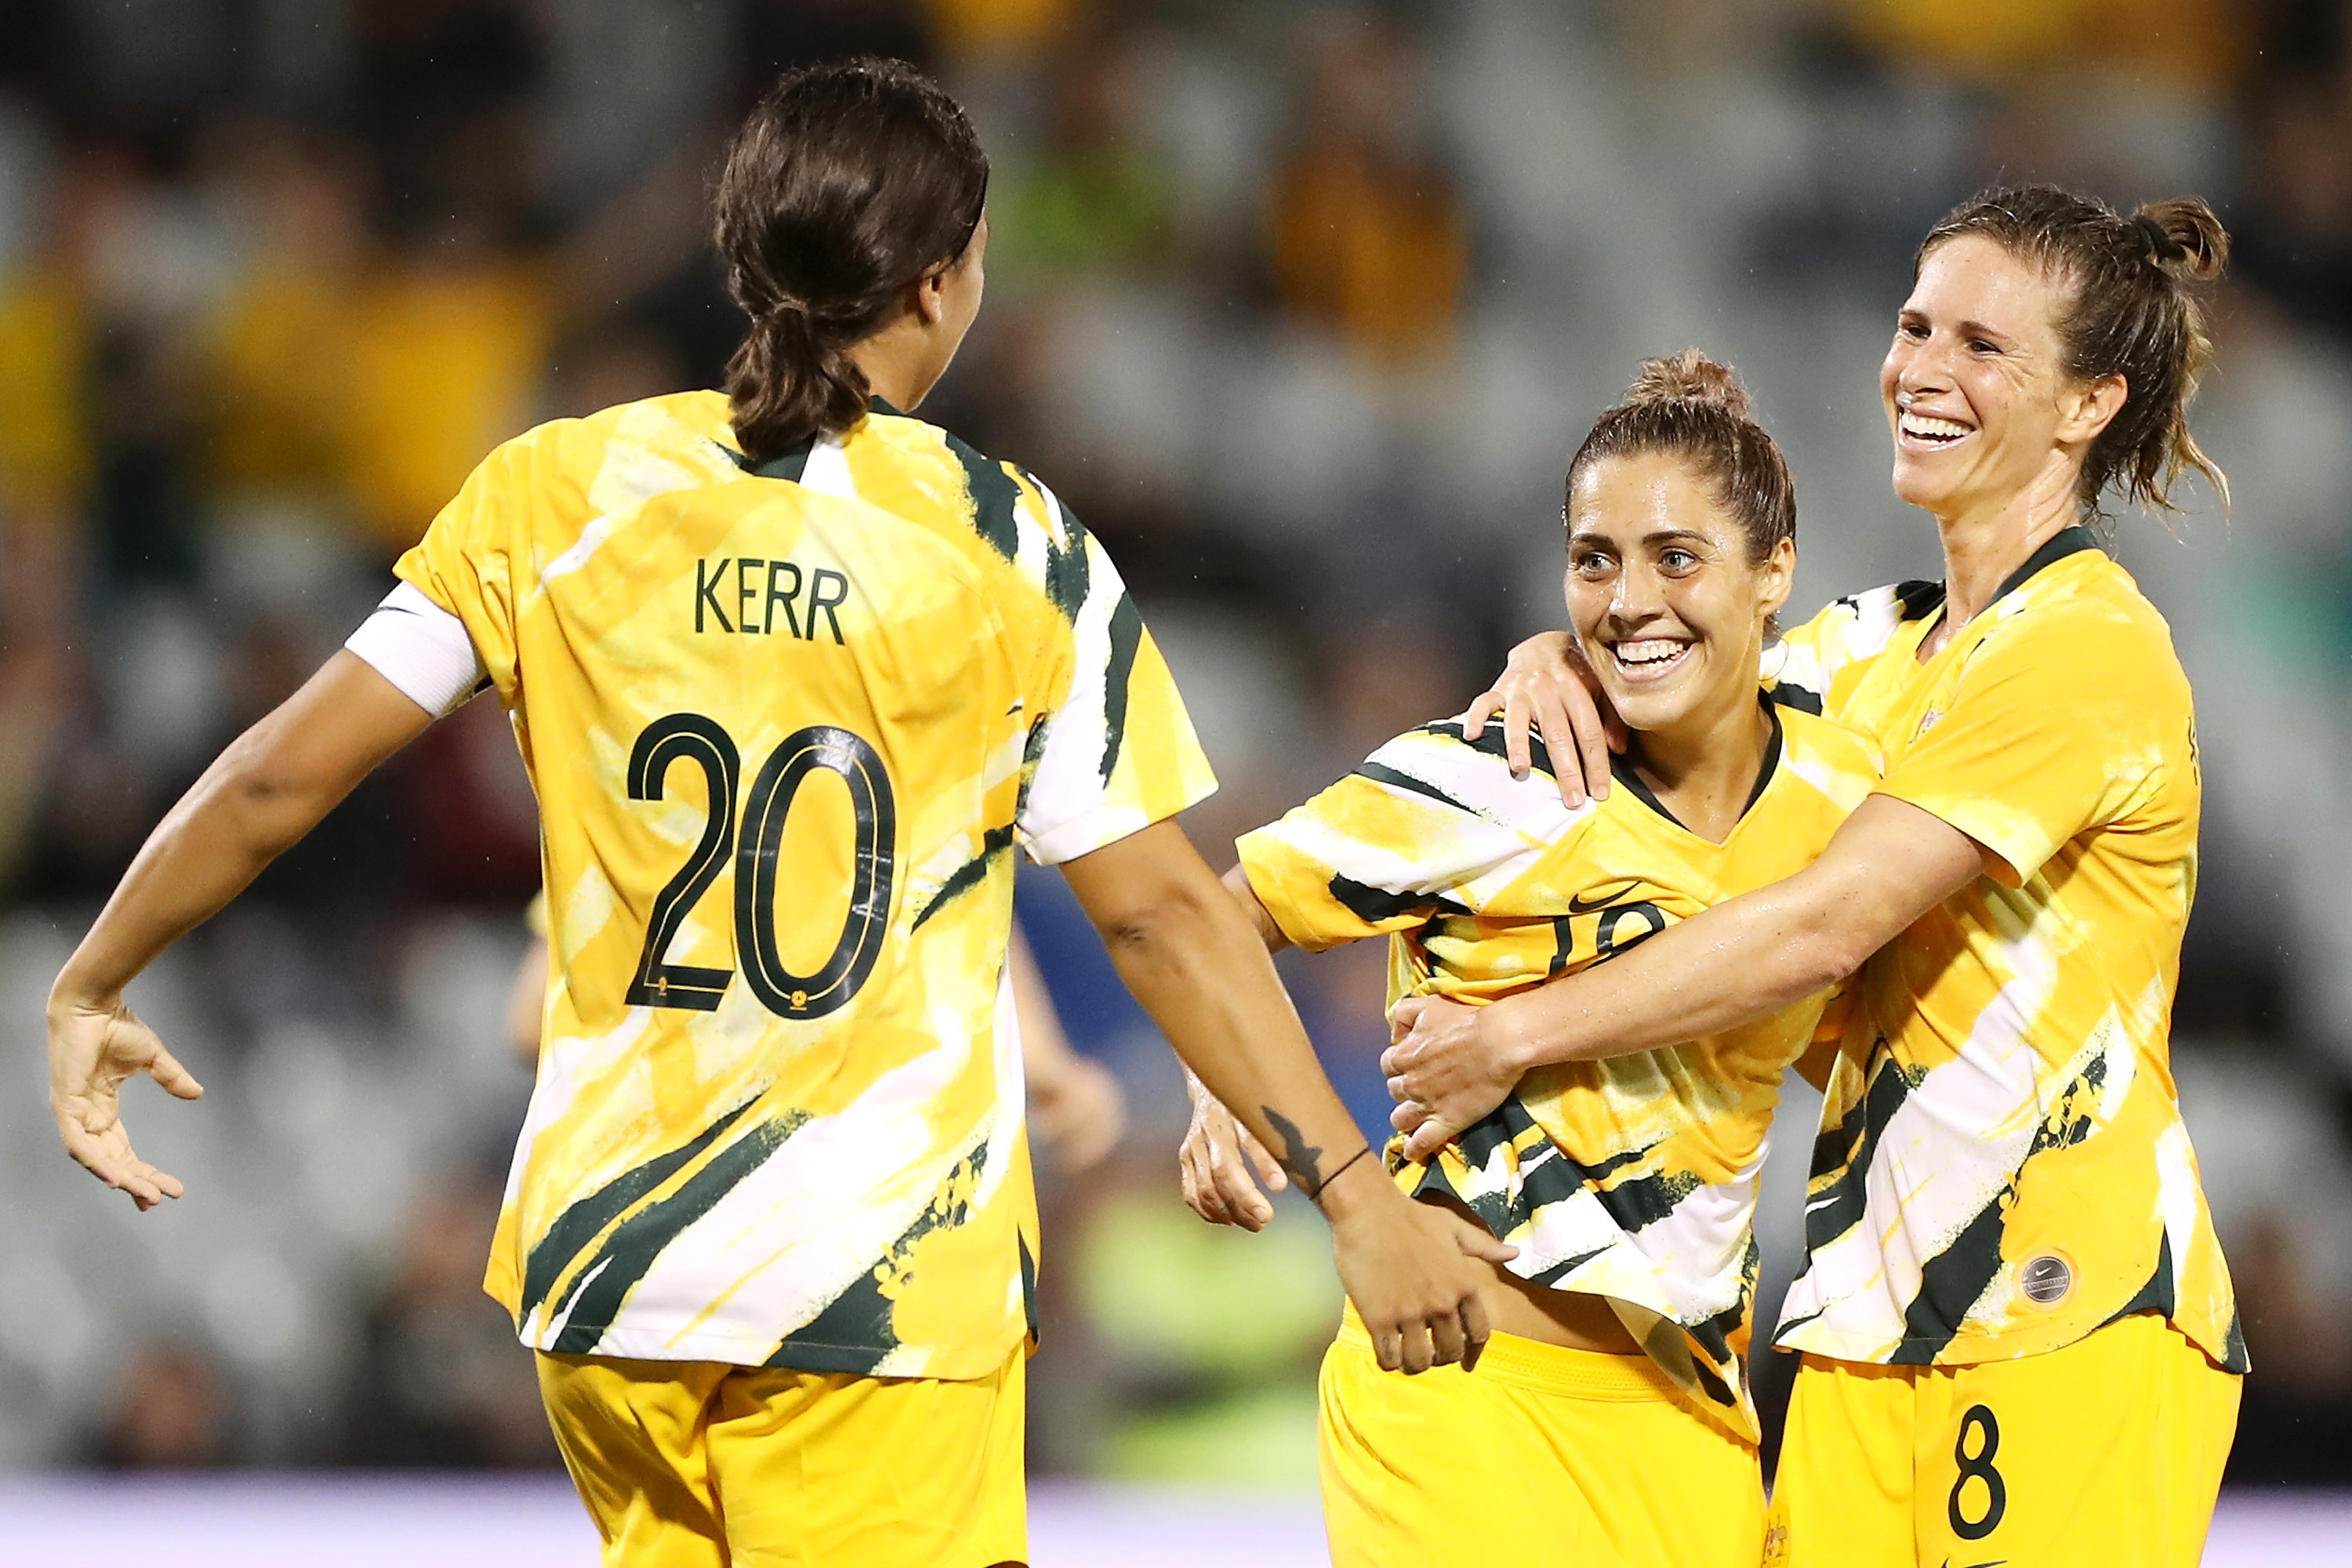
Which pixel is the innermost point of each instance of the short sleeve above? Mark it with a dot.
(2053, 729)
(473, 561)
(1796, 667)
(1113, 750)
(1428, 824)
(1800, 669)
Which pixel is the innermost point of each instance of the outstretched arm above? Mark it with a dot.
(1888, 865)
(1190, 956)
(257, 799)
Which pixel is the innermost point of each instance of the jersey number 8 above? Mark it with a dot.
(690, 737)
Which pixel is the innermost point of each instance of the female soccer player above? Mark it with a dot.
(2020, 1341)
(791, 671)
(1625, 1185)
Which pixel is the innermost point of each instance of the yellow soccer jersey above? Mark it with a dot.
(2002, 1167)
(1632, 1178)
(785, 726)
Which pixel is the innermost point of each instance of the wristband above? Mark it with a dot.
(1335, 1175)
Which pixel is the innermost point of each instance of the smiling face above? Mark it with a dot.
(1975, 385)
(1662, 598)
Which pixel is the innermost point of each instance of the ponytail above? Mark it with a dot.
(787, 382)
(848, 184)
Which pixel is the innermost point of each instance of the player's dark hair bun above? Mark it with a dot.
(1691, 377)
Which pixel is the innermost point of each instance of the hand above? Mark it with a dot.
(1442, 1072)
(1080, 1112)
(1407, 1267)
(95, 1047)
(1216, 1157)
(1546, 686)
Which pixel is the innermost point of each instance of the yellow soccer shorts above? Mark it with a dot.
(1542, 1453)
(2108, 1452)
(702, 1464)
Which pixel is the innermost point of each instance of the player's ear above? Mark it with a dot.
(1777, 575)
(927, 297)
(2087, 408)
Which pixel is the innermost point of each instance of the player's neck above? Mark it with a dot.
(1983, 546)
(903, 361)
(1704, 772)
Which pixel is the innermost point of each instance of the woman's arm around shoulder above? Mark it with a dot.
(1887, 866)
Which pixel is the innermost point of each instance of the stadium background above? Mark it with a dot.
(1302, 306)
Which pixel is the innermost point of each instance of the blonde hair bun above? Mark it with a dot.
(1691, 377)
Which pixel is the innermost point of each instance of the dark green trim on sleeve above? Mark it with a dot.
(1382, 773)
(995, 495)
(1489, 742)
(1126, 640)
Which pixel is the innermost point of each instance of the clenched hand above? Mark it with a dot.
(1443, 1073)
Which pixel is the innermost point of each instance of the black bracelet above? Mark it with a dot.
(1317, 1195)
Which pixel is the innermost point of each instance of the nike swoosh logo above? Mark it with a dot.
(1580, 905)
(1989, 1562)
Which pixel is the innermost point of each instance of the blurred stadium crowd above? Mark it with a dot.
(1301, 305)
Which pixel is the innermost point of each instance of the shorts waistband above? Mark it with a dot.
(1548, 1369)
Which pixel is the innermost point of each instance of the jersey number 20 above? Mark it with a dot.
(690, 737)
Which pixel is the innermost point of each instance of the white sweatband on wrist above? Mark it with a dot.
(421, 648)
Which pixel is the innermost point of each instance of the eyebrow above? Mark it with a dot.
(1965, 329)
(1656, 536)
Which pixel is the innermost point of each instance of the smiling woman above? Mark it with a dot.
(1613, 1399)
(1682, 541)
(2130, 329)
(2015, 1319)
(2047, 355)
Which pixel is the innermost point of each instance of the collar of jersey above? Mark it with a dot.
(2071, 540)
(2056, 548)
(792, 465)
(1621, 768)
(788, 465)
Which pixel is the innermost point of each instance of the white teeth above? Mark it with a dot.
(1929, 427)
(1651, 650)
